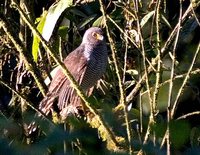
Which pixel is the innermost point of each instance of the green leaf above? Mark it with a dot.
(179, 133)
(86, 21)
(98, 21)
(132, 72)
(63, 32)
(194, 137)
(146, 18)
(53, 15)
(78, 12)
(36, 41)
(166, 21)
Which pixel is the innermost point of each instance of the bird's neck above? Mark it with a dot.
(90, 50)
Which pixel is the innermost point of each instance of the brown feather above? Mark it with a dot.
(60, 87)
(87, 64)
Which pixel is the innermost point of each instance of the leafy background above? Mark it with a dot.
(148, 98)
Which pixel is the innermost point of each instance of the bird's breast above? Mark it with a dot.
(96, 67)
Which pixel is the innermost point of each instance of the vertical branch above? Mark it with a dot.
(171, 80)
(184, 82)
(158, 70)
(155, 93)
(175, 30)
(164, 50)
(125, 58)
(143, 54)
(23, 38)
(24, 35)
(121, 87)
(146, 78)
(21, 49)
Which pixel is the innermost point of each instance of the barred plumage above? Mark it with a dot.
(87, 63)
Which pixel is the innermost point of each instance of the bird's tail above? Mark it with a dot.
(45, 107)
(32, 128)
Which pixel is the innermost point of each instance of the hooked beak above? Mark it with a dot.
(99, 37)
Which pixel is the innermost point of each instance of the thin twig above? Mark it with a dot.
(30, 65)
(121, 30)
(173, 33)
(125, 34)
(171, 80)
(188, 115)
(24, 99)
(151, 117)
(158, 74)
(173, 57)
(164, 51)
(184, 82)
(196, 71)
(121, 87)
(195, 16)
(125, 59)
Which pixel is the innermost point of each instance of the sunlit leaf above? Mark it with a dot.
(36, 41)
(132, 72)
(166, 21)
(98, 21)
(146, 18)
(53, 15)
(129, 83)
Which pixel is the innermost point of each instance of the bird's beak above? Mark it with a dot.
(99, 37)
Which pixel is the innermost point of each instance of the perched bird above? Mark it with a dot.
(87, 64)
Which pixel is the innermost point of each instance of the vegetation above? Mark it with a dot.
(146, 103)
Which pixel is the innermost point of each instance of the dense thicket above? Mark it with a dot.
(148, 101)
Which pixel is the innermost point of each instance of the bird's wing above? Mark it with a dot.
(60, 85)
(67, 95)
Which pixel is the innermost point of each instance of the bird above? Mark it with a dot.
(87, 64)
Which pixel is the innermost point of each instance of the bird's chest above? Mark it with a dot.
(95, 69)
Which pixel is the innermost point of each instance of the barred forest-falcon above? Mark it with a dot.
(87, 63)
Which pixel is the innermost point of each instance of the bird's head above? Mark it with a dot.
(93, 35)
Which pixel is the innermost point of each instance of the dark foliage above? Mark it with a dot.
(143, 34)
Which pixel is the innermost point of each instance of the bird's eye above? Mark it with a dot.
(94, 34)
(97, 36)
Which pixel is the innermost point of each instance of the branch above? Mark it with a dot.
(73, 82)
(121, 87)
(28, 102)
(30, 65)
(184, 82)
(164, 51)
(188, 115)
